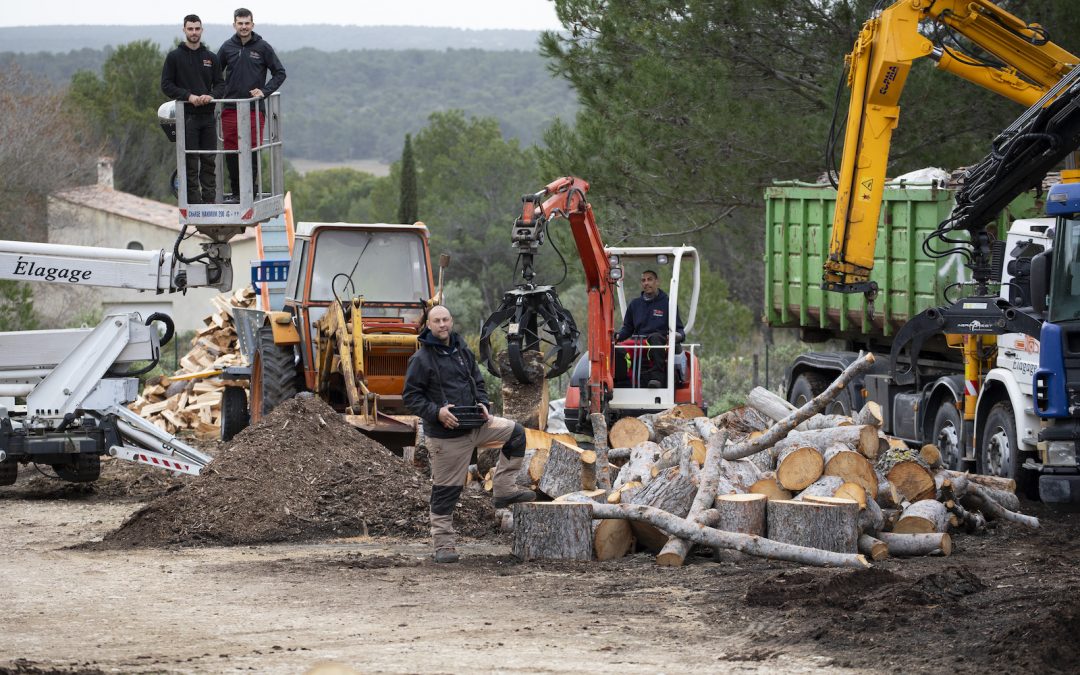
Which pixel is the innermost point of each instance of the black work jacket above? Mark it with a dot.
(192, 71)
(246, 65)
(440, 374)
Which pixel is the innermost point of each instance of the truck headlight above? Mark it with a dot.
(1061, 453)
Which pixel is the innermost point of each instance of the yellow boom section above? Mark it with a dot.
(878, 67)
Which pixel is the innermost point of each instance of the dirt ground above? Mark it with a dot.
(1005, 601)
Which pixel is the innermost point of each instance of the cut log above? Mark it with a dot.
(773, 406)
(870, 414)
(852, 466)
(864, 439)
(770, 487)
(600, 443)
(991, 509)
(612, 539)
(931, 455)
(671, 492)
(714, 538)
(926, 515)
(675, 550)
(695, 446)
(814, 406)
(826, 486)
(829, 527)
(996, 482)
(568, 469)
(917, 544)
(905, 469)
(552, 531)
(875, 549)
(798, 466)
(639, 467)
(825, 422)
(523, 477)
(887, 496)
(973, 522)
(628, 432)
(742, 513)
(534, 438)
(626, 489)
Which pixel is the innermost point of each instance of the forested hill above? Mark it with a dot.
(360, 104)
(28, 39)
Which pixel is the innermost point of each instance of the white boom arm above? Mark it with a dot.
(159, 271)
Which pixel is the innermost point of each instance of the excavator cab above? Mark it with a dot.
(638, 387)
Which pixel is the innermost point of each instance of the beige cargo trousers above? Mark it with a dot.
(449, 458)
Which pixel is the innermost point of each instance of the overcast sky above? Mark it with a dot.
(524, 14)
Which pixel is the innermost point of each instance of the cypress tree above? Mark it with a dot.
(408, 207)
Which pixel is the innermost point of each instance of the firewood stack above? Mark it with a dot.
(189, 402)
(765, 480)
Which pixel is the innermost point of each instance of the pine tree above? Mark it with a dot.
(408, 207)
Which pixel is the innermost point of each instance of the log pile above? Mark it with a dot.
(765, 480)
(189, 401)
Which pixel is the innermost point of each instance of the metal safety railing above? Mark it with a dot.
(259, 164)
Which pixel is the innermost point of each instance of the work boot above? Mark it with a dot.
(503, 487)
(446, 555)
(519, 496)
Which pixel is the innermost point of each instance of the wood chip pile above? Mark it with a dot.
(767, 480)
(189, 402)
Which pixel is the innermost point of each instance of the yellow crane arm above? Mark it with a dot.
(878, 67)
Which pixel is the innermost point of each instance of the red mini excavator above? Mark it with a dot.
(531, 314)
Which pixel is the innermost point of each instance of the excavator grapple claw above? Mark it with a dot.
(528, 316)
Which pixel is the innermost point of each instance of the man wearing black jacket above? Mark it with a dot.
(192, 74)
(246, 59)
(443, 375)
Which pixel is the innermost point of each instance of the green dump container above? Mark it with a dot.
(798, 227)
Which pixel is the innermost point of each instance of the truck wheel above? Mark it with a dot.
(998, 452)
(810, 384)
(83, 468)
(948, 435)
(234, 412)
(9, 471)
(273, 374)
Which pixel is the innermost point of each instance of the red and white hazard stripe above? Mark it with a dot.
(971, 388)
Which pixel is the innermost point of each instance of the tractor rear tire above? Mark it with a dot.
(84, 467)
(810, 384)
(274, 379)
(235, 416)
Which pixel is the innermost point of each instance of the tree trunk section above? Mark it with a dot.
(742, 513)
(671, 492)
(852, 466)
(568, 469)
(675, 550)
(770, 487)
(628, 432)
(875, 549)
(870, 414)
(864, 439)
(600, 444)
(902, 545)
(931, 455)
(713, 538)
(926, 515)
(798, 466)
(909, 474)
(887, 495)
(638, 468)
(552, 531)
(829, 527)
(996, 482)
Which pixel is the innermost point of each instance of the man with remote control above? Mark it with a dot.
(443, 375)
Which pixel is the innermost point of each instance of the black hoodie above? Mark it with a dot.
(192, 71)
(245, 66)
(439, 374)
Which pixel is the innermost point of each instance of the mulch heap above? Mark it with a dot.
(300, 474)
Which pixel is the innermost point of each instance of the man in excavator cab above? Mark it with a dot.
(643, 338)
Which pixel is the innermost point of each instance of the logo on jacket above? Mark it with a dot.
(256, 56)
(207, 63)
(658, 312)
